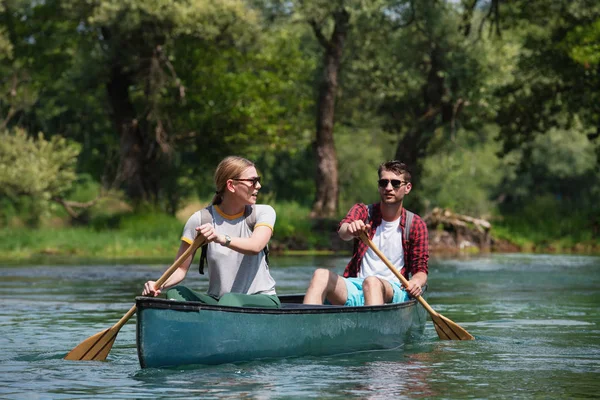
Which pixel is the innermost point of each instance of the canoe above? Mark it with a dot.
(172, 333)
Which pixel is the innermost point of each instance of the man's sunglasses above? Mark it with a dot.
(254, 180)
(396, 183)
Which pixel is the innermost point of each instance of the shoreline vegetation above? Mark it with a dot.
(154, 238)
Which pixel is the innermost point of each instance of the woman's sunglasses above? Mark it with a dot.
(254, 180)
(396, 183)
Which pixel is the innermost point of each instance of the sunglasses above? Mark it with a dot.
(254, 180)
(396, 183)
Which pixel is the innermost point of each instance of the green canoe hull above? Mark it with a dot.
(171, 333)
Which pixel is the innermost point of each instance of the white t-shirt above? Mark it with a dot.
(230, 271)
(388, 239)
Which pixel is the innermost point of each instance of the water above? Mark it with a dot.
(535, 318)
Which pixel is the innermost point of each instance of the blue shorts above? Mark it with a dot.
(356, 295)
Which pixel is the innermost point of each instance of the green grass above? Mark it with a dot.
(20, 245)
(546, 225)
(126, 237)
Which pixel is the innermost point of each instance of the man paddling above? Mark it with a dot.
(400, 234)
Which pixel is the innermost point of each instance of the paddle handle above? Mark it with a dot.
(388, 263)
(190, 250)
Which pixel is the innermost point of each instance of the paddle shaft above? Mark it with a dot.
(166, 275)
(445, 328)
(199, 241)
(388, 263)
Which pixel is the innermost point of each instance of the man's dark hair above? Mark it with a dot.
(395, 166)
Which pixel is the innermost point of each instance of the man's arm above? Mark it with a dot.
(416, 283)
(354, 222)
(353, 229)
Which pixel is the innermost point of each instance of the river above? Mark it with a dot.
(536, 320)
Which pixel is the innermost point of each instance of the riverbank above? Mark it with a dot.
(117, 235)
(84, 245)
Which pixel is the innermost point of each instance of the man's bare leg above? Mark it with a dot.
(377, 291)
(326, 285)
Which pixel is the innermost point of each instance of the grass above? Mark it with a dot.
(545, 226)
(21, 245)
(125, 237)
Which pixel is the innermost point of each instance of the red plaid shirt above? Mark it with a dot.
(416, 249)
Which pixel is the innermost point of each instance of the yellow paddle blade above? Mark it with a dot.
(95, 348)
(448, 330)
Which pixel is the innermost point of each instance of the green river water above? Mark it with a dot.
(536, 319)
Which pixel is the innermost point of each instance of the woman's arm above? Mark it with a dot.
(178, 275)
(250, 246)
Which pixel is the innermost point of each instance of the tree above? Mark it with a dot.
(553, 98)
(333, 25)
(330, 22)
(157, 92)
(38, 169)
(16, 92)
(439, 81)
(134, 42)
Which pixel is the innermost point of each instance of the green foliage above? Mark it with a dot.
(203, 79)
(246, 102)
(145, 225)
(462, 177)
(291, 221)
(152, 225)
(546, 223)
(5, 45)
(84, 188)
(583, 44)
(550, 87)
(561, 163)
(36, 169)
(360, 151)
(289, 175)
(70, 244)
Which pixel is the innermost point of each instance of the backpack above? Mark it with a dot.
(409, 217)
(207, 218)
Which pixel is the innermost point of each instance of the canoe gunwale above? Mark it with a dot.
(193, 306)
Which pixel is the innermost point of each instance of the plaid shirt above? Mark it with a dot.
(416, 250)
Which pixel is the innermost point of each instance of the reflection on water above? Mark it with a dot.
(535, 319)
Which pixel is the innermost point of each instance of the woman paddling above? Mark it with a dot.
(237, 231)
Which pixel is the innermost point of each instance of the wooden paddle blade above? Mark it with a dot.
(448, 330)
(94, 348)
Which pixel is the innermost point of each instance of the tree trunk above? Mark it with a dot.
(436, 110)
(326, 201)
(132, 144)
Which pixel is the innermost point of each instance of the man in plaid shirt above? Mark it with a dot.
(367, 280)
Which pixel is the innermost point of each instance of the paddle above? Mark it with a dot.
(97, 347)
(445, 328)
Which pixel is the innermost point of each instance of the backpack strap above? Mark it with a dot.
(250, 215)
(206, 217)
(409, 218)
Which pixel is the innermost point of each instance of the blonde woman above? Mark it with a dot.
(235, 254)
